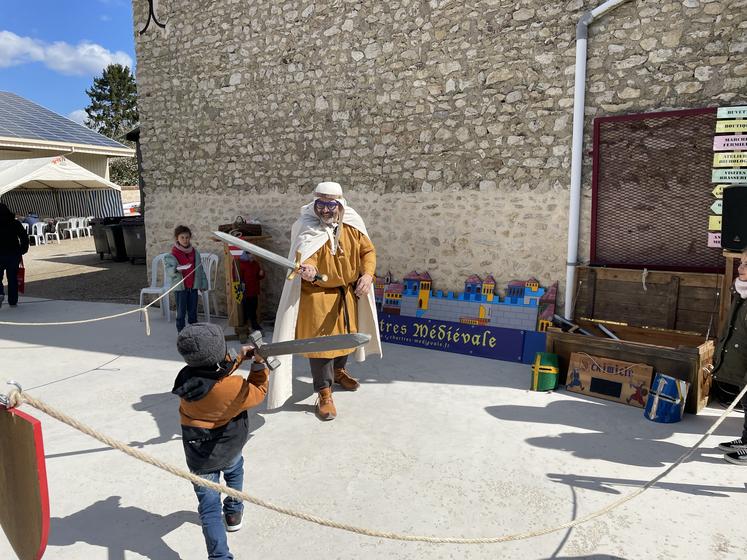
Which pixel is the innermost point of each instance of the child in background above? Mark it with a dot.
(215, 424)
(183, 263)
(251, 274)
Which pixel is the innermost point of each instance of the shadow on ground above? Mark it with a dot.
(137, 530)
(609, 435)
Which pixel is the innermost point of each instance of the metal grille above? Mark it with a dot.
(651, 191)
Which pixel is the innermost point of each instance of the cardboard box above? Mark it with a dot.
(614, 380)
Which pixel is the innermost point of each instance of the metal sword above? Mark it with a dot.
(305, 345)
(267, 255)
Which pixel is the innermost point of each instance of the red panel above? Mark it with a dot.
(42, 472)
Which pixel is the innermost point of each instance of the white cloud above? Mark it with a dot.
(79, 116)
(85, 58)
(105, 18)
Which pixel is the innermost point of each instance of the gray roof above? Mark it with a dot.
(23, 119)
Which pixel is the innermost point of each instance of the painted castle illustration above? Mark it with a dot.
(478, 304)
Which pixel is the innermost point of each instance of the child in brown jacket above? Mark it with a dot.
(215, 424)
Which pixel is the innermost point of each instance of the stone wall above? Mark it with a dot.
(447, 123)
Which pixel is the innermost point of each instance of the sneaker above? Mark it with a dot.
(233, 521)
(738, 457)
(731, 446)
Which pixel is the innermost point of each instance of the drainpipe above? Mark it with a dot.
(577, 146)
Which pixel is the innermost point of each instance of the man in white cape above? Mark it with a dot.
(333, 241)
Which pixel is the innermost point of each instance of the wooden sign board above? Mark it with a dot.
(714, 239)
(736, 125)
(24, 499)
(614, 380)
(731, 112)
(730, 159)
(729, 176)
(728, 143)
(714, 223)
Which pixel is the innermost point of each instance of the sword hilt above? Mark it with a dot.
(256, 338)
(293, 273)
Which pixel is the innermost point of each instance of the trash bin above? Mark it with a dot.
(133, 230)
(99, 237)
(115, 238)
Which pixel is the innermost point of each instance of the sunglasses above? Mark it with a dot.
(322, 205)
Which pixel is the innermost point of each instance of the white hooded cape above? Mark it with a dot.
(308, 235)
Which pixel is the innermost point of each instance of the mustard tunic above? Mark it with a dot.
(322, 308)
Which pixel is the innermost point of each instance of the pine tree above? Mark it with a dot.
(113, 108)
(113, 113)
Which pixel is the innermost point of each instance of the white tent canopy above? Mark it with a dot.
(56, 186)
(49, 173)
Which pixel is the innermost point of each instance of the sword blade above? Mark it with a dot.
(317, 344)
(256, 250)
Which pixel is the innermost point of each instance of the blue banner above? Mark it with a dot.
(475, 340)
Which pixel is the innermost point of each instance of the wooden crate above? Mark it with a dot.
(682, 301)
(682, 356)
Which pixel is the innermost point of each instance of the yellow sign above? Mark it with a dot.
(714, 223)
(718, 191)
(730, 159)
(736, 125)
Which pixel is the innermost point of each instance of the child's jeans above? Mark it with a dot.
(210, 512)
(186, 304)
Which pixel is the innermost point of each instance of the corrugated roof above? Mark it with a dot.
(24, 119)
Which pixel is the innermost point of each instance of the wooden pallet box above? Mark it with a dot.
(669, 321)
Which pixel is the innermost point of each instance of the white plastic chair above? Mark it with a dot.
(86, 225)
(155, 289)
(72, 228)
(25, 226)
(50, 235)
(37, 233)
(210, 266)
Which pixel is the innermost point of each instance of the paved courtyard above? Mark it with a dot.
(433, 443)
(72, 270)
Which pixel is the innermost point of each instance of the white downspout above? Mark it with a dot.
(577, 146)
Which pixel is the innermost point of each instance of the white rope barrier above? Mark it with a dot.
(143, 310)
(16, 397)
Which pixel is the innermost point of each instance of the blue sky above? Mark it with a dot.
(50, 50)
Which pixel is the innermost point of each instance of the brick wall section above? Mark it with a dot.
(447, 123)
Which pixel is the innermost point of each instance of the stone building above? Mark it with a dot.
(448, 123)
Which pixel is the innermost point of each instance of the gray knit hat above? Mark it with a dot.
(202, 344)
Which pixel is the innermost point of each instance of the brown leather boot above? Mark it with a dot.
(343, 378)
(325, 406)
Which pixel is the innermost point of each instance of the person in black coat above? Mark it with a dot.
(730, 361)
(14, 242)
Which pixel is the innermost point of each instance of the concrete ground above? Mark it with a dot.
(433, 443)
(72, 270)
